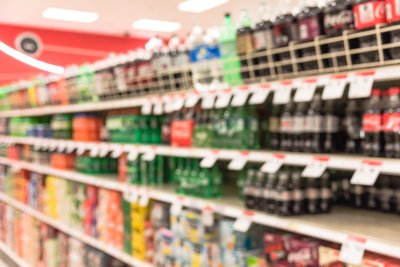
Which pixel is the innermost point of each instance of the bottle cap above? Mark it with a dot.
(394, 91)
(376, 92)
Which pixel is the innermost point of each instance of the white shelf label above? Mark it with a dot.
(223, 99)
(116, 152)
(366, 173)
(305, 91)
(80, 149)
(334, 88)
(144, 200)
(176, 208)
(240, 96)
(132, 155)
(61, 147)
(149, 156)
(70, 147)
(208, 101)
(208, 161)
(158, 106)
(191, 100)
(146, 107)
(238, 163)
(282, 94)
(243, 223)
(179, 101)
(259, 96)
(352, 250)
(53, 146)
(273, 165)
(361, 86)
(207, 217)
(94, 151)
(103, 150)
(168, 103)
(131, 195)
(315, 168)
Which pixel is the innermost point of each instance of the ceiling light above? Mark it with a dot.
(30, 61)
(198, 6)
(156, 25)
(70, 15)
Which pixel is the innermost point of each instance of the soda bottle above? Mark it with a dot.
(258, 190)
(269, 193)
(298, 126)
(334, 132)
(313, 195)
(179, 55)
(326, 193)
(244, 44)
(338, 16)
(372, 125)
(285, 26)
(284, 193)
(373, 201)
(397, 196)
(314, 126)
(387, 193)
(274, 127)
(358, 195)
(310, 21)
(263, 39)
(353, 126)
(248, 190)
(286, 127)
(391, 123)
(298, 190)
(230, 60)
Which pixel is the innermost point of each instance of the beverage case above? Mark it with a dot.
(392, 10)
(369, 14)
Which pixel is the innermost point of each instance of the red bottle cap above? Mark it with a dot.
(376, 92)
(394, 91)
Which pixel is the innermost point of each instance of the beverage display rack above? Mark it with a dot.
(14, 257)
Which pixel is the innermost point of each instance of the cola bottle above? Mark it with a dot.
(286, 127)
(298, 126)
(386, 193)
(338, 16)
(284, 193)
(274, 127)
(391, 123)
(334, 135)
(358, 195)
(372, 125)
(313, 195)
(269, 193)
(345, 190)
(248, 190)
(314, 126)
(244, 43)
(397, 196)
(326, 193)
(258, 190)
(373, 201)
(297, 185)
(353, 126)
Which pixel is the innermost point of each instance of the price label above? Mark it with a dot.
(243, 223)
(168, 104)
(273, 165)
(305, 92)
(352, 250)
(43, 145)
(282, 94)
(209, 161)
(366, 173)
(361, 86)
(315, 168)
(146, 107)
(176, 208)
(144, 201)
(238, 163)
(191, 100)
(208, 101)
(207, 216)
(223, 100)
(116, 152)
(103, 150)
(260, 94)
(132, 155)
(36, 146)
(53, 146)
(80, 149)
(94, 151)
(179, 102)
(240, 96)
(157, 106)
(149, 156)
(131, 195)
(70, 147)
(334, 88)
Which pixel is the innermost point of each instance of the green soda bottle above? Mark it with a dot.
(160, 170)
(134, 170)
(230, 59)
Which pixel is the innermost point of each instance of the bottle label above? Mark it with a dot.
(326, 193)
(303, 31)
(284, 196)
(338, 20)
(273, 124)
(312, 193)
(314, 124)
(244, 44)
(389, 14)
(386, 193)
(372, 123)
(391, 122)
(298, 123)
(367, 13)
(260, 40)
(286, 124)
(357, 189)
(257, 192)
(248, 190)
(298, 195)
(331, 124)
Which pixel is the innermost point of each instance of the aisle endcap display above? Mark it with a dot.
(225, 208)
(14, 257)
(116, 253)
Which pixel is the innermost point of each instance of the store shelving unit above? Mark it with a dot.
(14, 257)
(334, 227)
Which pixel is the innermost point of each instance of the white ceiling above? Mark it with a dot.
(116, 16)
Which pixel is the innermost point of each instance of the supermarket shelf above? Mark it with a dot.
(379, 74)
(14, 257)
(334, 161)
(334, 227)
(116, 253)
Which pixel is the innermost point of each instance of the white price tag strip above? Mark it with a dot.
(282, 93)
(144, 200)
(243, 223)
(361, 85)
(149, 156)
(209, 160)
(177, 206)
(70, 147)
(366, 173)
(61, 147)
(179, 101)
(240, 96)
(146, 107)
(208, 101)
(274, 164)
(94, 151)
(131, 195)
(305, 91)
(53, 146)
(207, 216)
(192, 99)
(80, 149)
(260, 94)
(168, 103)
(223, 99)
(352, 250)
(157, 106)
(116, 151)
(103, 150)
(334, 88)
(316, 167)
(238, 162)
(132, 155)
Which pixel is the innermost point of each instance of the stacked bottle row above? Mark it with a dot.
(41, 245)
(288, 193)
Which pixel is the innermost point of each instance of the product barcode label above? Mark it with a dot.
(132, 155)
(149, 156)
(361, 86)
(131, 195)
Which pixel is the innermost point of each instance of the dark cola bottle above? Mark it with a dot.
(391, 123)
(297, 185)
(298, 126)
(286, 127)
(353, 126)
(334, 136)
(326, 193)
(313, 195)
(397, 196)
(358, 195)
(248, 190)
(284, 193)
(314, 126)
(269, 193)
(373, 201)
(372, 125)
(274, 127)
(258, 190)
(386, 193)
